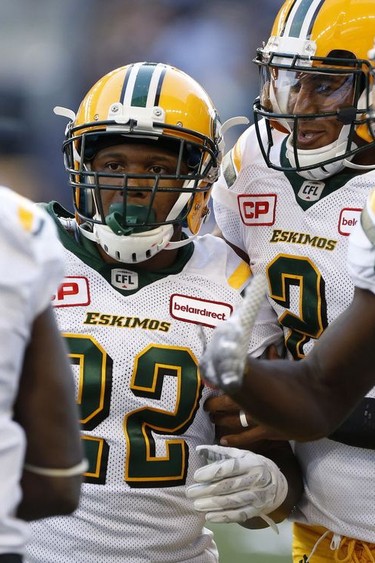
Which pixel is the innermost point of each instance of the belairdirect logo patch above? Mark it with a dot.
(199, 311)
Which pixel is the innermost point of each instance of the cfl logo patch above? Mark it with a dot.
(124, 279)
(72, 292)
(257, 209)
(311, 191)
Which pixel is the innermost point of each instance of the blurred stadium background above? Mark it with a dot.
(53, 51)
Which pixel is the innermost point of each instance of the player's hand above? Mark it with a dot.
(236, 427)
(222, 364)
(236, 486)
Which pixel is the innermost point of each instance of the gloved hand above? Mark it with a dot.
(237, 485)
(223, 362)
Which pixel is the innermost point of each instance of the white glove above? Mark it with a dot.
(223, 362)
(237, 485)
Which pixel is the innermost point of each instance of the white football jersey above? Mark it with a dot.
(31, 268)
(361, 252)
(297, 231)
(134, 340)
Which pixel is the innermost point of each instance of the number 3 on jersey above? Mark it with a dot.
(284, 273)
(144, 467)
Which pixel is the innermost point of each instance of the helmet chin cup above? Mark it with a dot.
(132, 248)
(315, 158)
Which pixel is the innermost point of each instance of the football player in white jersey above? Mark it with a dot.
(329, 381)
(141, 295)
(291, 191)
(40, 449)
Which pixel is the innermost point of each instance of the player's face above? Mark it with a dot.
(138, 159)
(309, 93)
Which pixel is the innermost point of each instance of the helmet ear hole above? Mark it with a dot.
(199, 210)
(89, 203)
(85, 202)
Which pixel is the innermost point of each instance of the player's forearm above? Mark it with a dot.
(48, 496)
(310, 398)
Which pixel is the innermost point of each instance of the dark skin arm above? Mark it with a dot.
(47, 411)
(308, 399)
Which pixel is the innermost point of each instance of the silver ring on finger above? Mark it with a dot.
(243, 419)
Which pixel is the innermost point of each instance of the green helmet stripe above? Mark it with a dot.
(142, 85)
(302, 18)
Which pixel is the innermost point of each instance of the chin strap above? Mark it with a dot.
(84, 229)
(178, 243)
(350, 164)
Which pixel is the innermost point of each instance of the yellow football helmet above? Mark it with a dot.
(324, 42)
(148, 103)
(371, 109)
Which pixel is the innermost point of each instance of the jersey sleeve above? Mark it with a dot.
(361, 249)
(225, 198)
(31, 268)
(238, 272)
(267, 329)
(31, 257)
